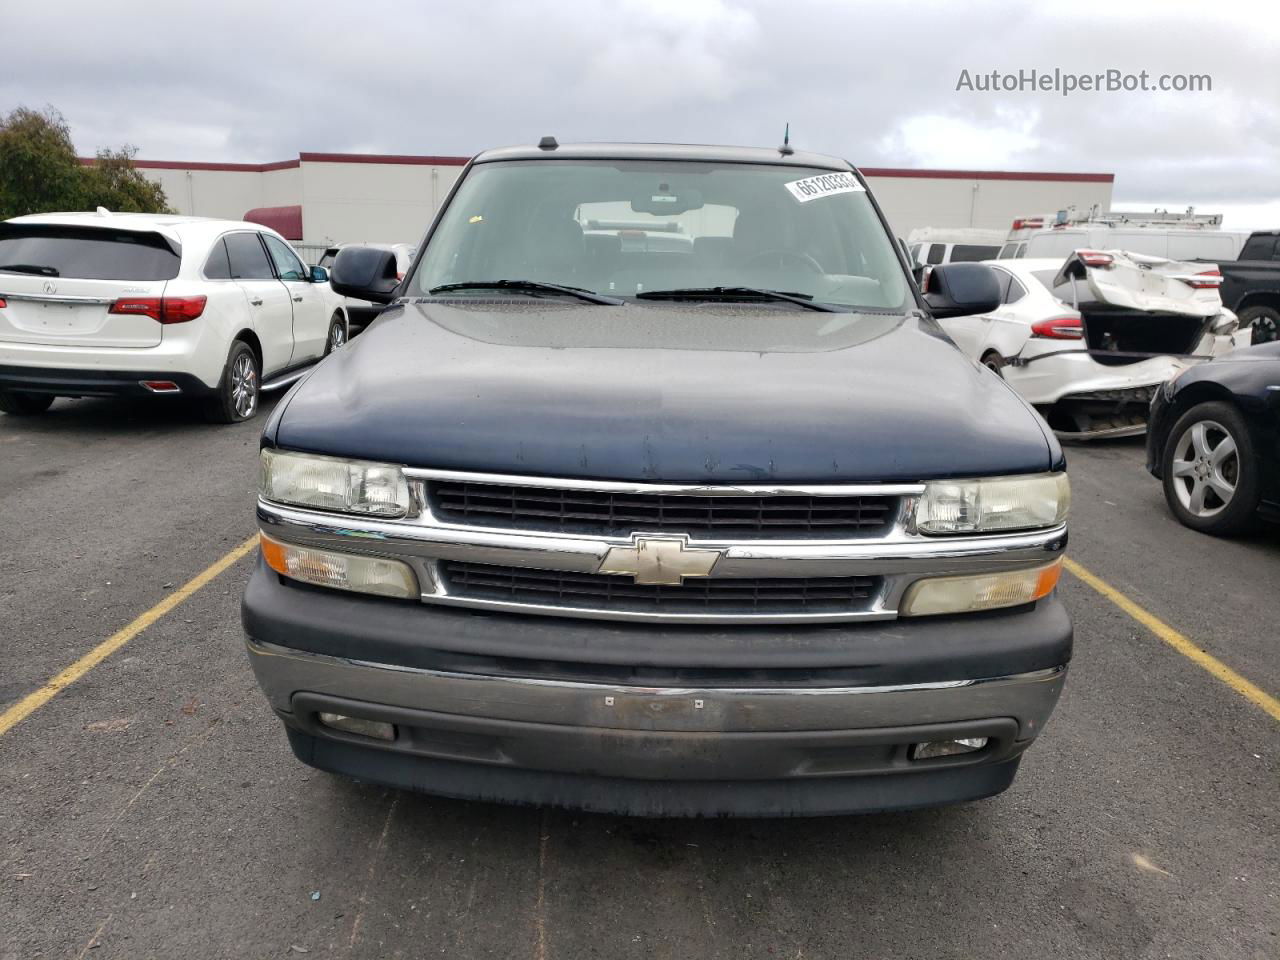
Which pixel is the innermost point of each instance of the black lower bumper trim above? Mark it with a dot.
(826, 796)
(97, 383)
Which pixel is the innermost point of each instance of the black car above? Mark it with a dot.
(1214, 440)
(657, 489)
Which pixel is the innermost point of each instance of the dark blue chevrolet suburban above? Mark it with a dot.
(657, 489)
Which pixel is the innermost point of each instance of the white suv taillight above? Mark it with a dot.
(162, 309)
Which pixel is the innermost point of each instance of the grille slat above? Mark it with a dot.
(605, 513)
(560, 588)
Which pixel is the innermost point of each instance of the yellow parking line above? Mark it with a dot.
(1173, 638)
(32, 702)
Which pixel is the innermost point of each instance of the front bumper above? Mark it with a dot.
(656, 721)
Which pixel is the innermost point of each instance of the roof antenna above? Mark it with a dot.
(786, 149)
(548, 143)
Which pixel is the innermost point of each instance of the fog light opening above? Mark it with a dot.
(933, 749)
(374, 729)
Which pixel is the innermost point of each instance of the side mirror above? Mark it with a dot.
(365, 273)
(319, 275)
(961, 289)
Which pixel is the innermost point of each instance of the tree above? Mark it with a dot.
(38, 166)
(40, 173)
(115, 183)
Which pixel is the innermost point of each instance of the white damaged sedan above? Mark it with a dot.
(1088, 341)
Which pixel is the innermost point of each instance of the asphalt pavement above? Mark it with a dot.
(153, 809)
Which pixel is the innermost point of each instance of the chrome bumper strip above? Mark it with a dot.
(1028, 697)
(59, 298)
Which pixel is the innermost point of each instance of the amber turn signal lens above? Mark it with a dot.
(988, 591)
(341, 571)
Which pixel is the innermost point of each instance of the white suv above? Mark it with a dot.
(107, 304)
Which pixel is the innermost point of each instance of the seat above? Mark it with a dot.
(558, 250)
(753, 233)
(603, 254)
(713, 252)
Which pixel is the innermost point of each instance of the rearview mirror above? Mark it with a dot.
(961, 289)
(365, 273)
(665, 202)
(319, 275)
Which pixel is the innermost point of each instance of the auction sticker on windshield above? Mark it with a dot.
(824, 185)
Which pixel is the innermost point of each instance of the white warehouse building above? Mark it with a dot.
(322, 198)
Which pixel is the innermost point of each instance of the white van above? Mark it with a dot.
(1170, 243)
(930, 246)
(1159, 233)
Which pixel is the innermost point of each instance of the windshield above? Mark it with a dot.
(622, 228)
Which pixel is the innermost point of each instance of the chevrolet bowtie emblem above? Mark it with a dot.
(659, 560)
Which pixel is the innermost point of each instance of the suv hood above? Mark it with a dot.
(728, 393)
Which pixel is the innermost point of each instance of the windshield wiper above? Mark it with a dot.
(736, 293)
(36, 268)
(529, 286)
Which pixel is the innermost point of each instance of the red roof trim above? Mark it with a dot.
(384, 158)
(987, 175)
(198, 165)
(286, 221)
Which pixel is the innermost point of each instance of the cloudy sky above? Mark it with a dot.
(874, 82)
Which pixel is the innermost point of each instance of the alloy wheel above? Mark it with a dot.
(244, 386)
(337, 335)
(1206, 468)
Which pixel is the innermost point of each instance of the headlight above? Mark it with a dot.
(988, 591)
(996, 503)
(330, 483)
(341, 571)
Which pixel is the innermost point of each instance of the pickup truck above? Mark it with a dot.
(1251, 285)
(728, 527)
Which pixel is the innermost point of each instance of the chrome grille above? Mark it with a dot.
(702, 595)
(610, 513)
